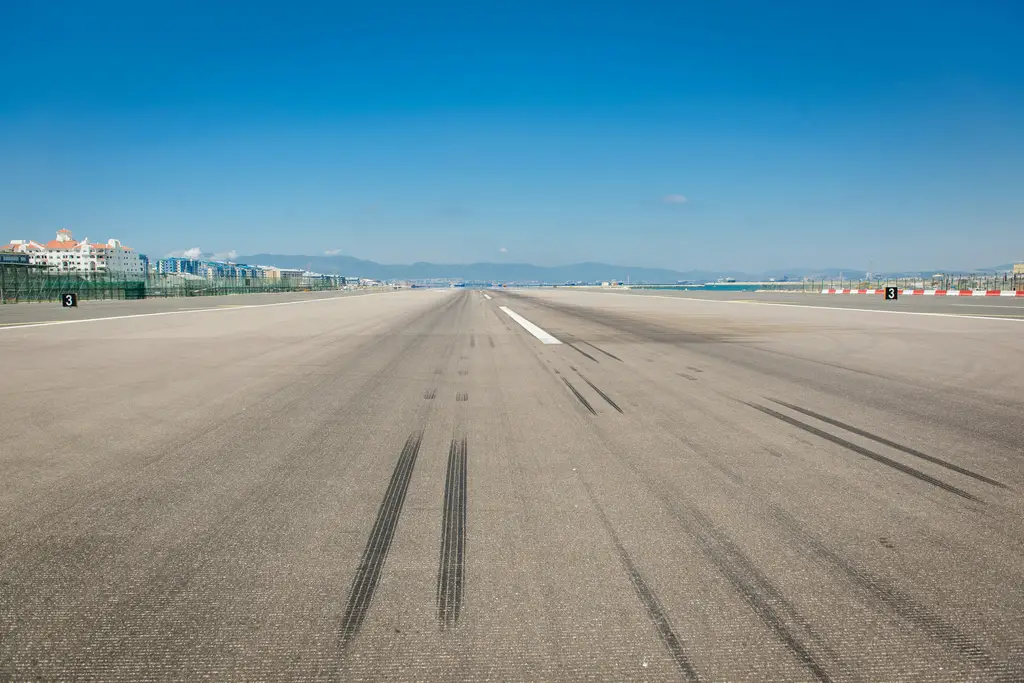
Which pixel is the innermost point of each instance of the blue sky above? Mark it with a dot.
(799, 133)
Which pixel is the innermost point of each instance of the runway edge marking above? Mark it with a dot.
(22, 326)
(811, 306)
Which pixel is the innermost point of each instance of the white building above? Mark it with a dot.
(64, 254)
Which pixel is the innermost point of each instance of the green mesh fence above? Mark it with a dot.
(25, 284)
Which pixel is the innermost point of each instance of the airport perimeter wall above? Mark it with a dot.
(25, 284)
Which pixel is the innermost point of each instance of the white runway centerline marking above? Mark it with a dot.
(487, 296)
(530, 327)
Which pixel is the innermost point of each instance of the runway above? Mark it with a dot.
(416, 485)
(53, 312)
(1011, 307)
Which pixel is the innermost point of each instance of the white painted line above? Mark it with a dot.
(22, 326)
(530, 327)
(487, 296)
(827, 308)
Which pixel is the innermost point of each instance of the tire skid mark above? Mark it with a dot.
(491, 340)
(109, 489)
(892, 444)
(451, 571)
(877, 457)
(610, 355)
(655, 610)
(472, 341)
(196, 551)
(581, 351)
(580, 396)
(882, 592)
(430, 394)
(756, 590)
(379, 543)
(600, 393)
(686, 376)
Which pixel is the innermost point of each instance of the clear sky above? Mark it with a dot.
(727, 134)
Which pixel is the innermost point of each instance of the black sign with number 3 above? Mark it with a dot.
(891, 293)
(69, 300)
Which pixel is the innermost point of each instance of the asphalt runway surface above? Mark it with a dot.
(990, 306)
(51, 312)
(507, 485)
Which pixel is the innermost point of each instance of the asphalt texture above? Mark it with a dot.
(412, 486)
(51, 312)
(986, 306)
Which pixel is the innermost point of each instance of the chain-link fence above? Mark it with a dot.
(21, 284)
(1002, 282)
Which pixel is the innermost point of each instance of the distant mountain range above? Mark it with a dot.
(525, 272)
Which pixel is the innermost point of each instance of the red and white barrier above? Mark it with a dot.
(930, 292)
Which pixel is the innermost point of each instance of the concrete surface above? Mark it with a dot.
(411, 486)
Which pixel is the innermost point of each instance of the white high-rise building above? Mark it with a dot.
(64, 254)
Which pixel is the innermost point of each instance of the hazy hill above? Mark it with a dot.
(517, 272)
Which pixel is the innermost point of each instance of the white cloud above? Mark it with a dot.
(332, 252)
(226, 255)
(674, 199)
(193, 253)
(503, 250)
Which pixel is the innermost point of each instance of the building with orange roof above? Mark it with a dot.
(65, 254)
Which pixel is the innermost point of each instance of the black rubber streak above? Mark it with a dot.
(462, 396)
(580, 396)
(755, 589)
(472, 341)
(885, 593)
(655, 609)
(452, 569)
(600, 393)
(491, 340)
(767, 602)
(686, 376)
(610, 355)
(892, 444)
(569, 343)
(917, 474)
(377, 546)
(430, 393)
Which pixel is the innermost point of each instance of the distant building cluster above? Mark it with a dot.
(65, 254)
(210, 270)
(220, 269)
